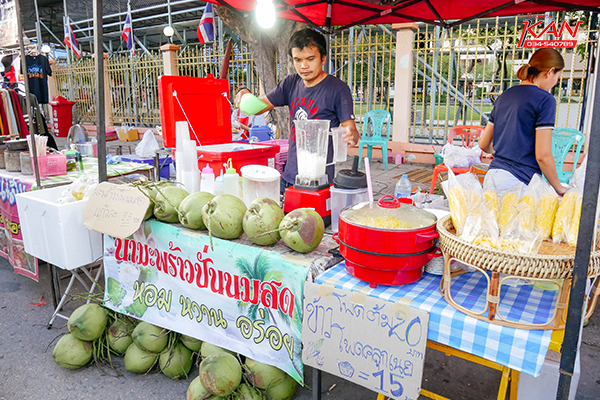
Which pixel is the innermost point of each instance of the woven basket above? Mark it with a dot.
(518, 264)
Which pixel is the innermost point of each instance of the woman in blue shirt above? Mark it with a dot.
(519, 132)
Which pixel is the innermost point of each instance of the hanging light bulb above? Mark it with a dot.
(265, 13)
(169, 31)
(46, 49)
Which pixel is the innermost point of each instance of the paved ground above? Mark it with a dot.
(27, 370)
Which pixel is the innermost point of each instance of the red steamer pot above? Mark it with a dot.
(387, 256)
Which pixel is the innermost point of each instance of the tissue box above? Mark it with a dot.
(128, 136)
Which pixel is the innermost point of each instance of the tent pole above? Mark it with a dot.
(27, 99)
(582, 254)
(100, 100)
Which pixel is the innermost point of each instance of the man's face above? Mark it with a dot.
(308, 63)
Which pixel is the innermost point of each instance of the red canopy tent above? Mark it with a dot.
(341, 14)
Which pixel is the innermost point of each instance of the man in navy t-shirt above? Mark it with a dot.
(312, 94)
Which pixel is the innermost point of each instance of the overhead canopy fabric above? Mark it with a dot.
(344, 13)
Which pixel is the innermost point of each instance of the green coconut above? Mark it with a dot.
(197, 391)
(263, 215)
(72, 353)
(138, 360)
(302, 230)
(191, 343)
(151, 190)
(190, 210)
(223, 216)
(118, 336)
(221, 374)
(167, 203)
(246, 392)
(208, 349)
(88, 322)
(284, 391)
(263, 375)
(150, 337)
(176, 363)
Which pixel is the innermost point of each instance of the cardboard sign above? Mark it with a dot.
(116, 210)
(375, 343)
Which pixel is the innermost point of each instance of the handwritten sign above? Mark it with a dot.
(116, 210)
(375, 343)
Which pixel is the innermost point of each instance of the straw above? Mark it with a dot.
(369, 184)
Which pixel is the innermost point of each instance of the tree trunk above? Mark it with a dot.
(268, 48)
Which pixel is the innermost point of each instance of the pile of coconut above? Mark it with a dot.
(227, 217)
(97, 334)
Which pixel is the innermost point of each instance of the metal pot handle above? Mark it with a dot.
(426, 237)
(393, 203)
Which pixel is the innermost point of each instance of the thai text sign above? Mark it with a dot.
(374, 343)
(530, 37)
(242, 298)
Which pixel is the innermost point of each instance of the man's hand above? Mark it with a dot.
(351, 136)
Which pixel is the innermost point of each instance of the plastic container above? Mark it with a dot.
(312, 136)
(26, 163)
(12, 160)
(231, 180)
(207, 180)
(261, 132)
(403, 187)
(340, 147)
(62, 116)
(260, 181)
(341, 198)
(164, 162)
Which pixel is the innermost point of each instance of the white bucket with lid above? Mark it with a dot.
(260, 181)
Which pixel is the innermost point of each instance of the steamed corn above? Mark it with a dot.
(484, 241)
(384, 222)
(457, 200)
(508, 210)
(546, 212)
(527, 212)
(574, 226)
(491, 202)
(564, 214)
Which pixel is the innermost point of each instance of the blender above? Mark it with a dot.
(311, 188)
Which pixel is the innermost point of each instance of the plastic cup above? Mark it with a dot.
(250, 104)
(340, 147)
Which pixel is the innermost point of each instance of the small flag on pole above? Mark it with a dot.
(128, 31)
(70, 39)
(206, 30)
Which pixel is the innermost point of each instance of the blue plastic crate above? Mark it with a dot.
(164, 170)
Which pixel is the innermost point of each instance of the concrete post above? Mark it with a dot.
(403, 81)
(169, 52)
(108, 115)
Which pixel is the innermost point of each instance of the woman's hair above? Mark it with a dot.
(542, 60)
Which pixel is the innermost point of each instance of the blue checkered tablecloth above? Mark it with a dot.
(520, 349)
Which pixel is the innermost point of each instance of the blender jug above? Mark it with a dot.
(312, 137)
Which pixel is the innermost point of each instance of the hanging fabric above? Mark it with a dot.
(38, 71)
(22, 125)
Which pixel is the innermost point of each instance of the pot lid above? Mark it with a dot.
(350, 178)
(389, 213)
(17, 144)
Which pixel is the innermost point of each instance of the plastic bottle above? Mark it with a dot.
(231, 180)
(403, 187)
(219, 184)
(207, 182)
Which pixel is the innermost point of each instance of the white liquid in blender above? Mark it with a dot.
(310, 165)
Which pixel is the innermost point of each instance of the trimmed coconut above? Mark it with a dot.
(263, 215)
(284, 391)
(176, 363)
(191, 343)
(196, 391)
(118, 336)
(302, 230)
(167, 203)
(263, 375)
(71, 352)
(150, 337)
(190, 210)
(208, 349)
(221, 374)
(246, 392)
(223, 216)
(139, 361)
(88, 322)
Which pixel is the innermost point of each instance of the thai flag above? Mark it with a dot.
(206, 30)
(128, 31)
(70, 39)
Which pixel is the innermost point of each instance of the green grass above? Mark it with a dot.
(441, 112)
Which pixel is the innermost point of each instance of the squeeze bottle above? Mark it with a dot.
(219, 184)
(231, 180)
(207, 182)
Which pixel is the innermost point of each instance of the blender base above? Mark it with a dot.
(319, 200)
